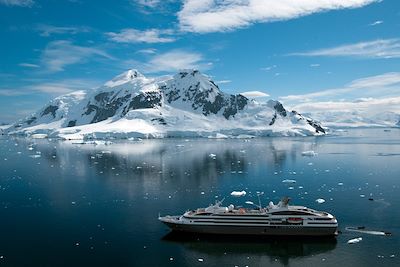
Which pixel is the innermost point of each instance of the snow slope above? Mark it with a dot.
(188, 104)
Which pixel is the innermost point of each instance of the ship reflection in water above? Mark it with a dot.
(245, 250)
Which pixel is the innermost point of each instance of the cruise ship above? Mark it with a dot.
(279, 219)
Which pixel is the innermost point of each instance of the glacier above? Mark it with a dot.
(187, 104)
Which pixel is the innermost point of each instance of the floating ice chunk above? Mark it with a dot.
(249, 202)
(200, 260)
(310, 153)
(289, 181)
(320, 200)
(238, 193)
(39, 136)
(35, 156)
(354, 240)
(213, 156)
(340, 184)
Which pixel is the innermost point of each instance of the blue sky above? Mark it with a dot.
(307, 53)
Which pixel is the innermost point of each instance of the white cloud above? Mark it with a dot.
(384, 48)
(59, 54)
(52, 87)
(63, 86)
(374, 84)
(47, 30)
(176, 60)
(375, 105)
(20, 3)
(138, 36)
(148, 3)
(10, 92)
(376, 23)
(268, 68)
(254, 94)
(386, 79)
(217, 15)
(147, 51)
(28, 65)
(375, 94)
(223, 81)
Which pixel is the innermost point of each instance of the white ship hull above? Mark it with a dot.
(259, 229)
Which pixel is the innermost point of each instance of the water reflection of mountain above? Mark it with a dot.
(168, 163)
(251, 250)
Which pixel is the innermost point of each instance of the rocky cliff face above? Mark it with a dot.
(187, 102)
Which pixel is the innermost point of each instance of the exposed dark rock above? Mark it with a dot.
(105, 107)
(234, 105)
(144, 100)
(50, 109)
(160, 121)
(273, 119)
(30, 120)
(317, 126)
(280, 109)
(71, 123)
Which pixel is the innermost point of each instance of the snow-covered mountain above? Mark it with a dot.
(186, 104)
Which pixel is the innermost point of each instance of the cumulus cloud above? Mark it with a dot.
(20, 3)
(59, 54)
(254, 94)
(384, 48)
(217, 15)
(138, 36)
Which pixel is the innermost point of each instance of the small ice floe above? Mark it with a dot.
(289, 181)
(35, 156)
(200, 260)
(354, 240)
(340, 184)
(39, 136)
(310, 153)
(238, 193)
(213, 156)
(249, 202)
(320, 200)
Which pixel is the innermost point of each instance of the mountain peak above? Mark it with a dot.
(125, 77)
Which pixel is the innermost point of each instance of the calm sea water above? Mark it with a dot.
(64, 204)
